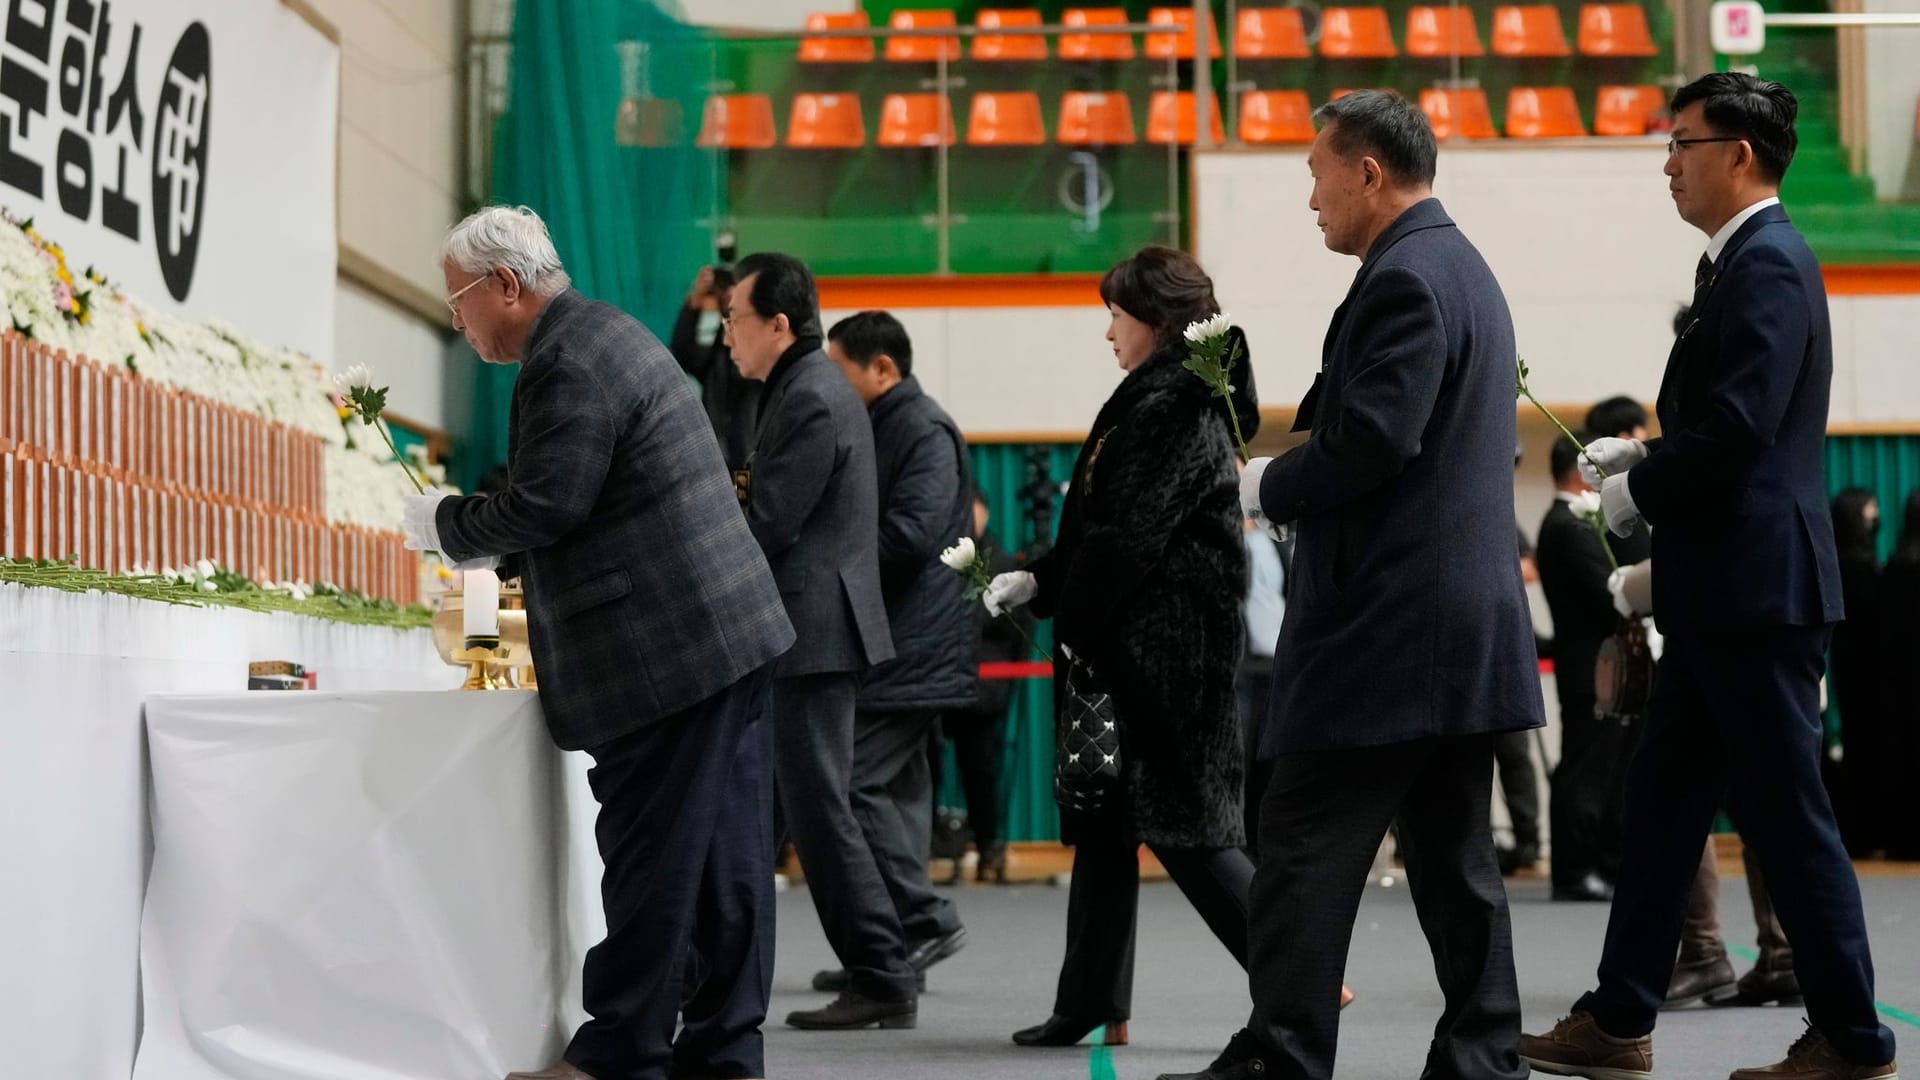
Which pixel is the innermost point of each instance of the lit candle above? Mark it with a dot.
(481, 606)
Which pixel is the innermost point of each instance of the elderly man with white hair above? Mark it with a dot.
(655, 622)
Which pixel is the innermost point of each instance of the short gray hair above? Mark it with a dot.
(509, 236)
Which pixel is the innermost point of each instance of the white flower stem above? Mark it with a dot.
(408, 469)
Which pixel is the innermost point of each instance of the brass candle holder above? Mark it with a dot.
(506, 660)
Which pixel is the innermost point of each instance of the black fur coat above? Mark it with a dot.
(1145, 581)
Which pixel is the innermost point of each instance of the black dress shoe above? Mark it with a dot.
(834, 980)
(1243, 1059)
(922, 955)
(1695, 980)
(1246, 1070)
(1758, 987)
(1069, 1030)
(851, 1010)
(1593, 887)
(1515, 859)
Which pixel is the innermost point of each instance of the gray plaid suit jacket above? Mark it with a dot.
(646, 592)
(814, 505)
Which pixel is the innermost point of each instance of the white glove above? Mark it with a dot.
(419, 521)
(1008, 591)
(1616, 502)
(483, 562)
(1250, 489)
(1612, 457)
(1632, 589)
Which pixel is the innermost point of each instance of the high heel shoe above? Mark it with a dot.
(1068, 1031)
(992, 867)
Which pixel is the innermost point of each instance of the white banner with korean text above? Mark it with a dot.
(184, 149)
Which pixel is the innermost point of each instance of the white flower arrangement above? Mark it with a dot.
(366, 485)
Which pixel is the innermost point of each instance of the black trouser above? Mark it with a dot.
(893, 802)
(976, 740)
(1252, 690)
(1520, 786)
(1589, 749)
(813, 764)
(1096, 977)
(686, 832)
(1739, 712)
(1321, 824)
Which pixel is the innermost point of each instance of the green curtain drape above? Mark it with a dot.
(602, 99)
(1888, 466)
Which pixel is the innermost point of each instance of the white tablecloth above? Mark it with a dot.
(74, 842)
(352, 886)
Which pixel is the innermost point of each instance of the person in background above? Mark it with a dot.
(811, 499)
(1265, 608)
(977, 733)
(732, 400)
(1863, 779)
(1513, 750)
(926, 495)
(1899, 659)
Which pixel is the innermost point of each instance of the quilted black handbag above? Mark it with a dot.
(1086, 758)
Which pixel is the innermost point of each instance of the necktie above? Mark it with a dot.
(1702, 273)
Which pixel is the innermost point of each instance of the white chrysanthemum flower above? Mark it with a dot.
(1586, 504)
(356, 377)
(961, 555)
(1208, 329)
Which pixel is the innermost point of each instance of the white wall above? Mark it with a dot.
(402, 349)
(757, 14)
(1893, 93)
(400, 176)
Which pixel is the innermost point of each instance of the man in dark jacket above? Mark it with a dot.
(655, 623)
(1746, 594)
(925, 487)
(1574, 568)
(812, 501)
(1407, 644)
(699, 342)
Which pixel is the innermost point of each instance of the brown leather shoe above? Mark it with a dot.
(1577, 1047)
(1699, 980)
(559, 1070)
(1812, 1057)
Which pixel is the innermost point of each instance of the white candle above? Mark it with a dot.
(481, 606)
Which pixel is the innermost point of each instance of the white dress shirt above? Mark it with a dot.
(1719, 242)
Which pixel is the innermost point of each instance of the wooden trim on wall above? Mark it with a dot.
(436, 438)
(362, 270)
(312, 17)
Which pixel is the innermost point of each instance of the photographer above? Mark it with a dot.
(731, 400)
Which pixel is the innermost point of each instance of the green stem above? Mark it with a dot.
(1233, 417)
(388, 439)
(1601, 529)
(1548, 413)
(1031, 644)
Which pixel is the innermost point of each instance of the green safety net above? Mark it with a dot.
(603, 99)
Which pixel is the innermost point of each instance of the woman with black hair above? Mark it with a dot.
(1860, 800)
(1144, 583)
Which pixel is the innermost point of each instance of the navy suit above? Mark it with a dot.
(1746, 589)
(1405, 650)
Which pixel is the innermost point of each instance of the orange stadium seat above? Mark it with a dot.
(1094, 118)
(1006, 119)
(1170, 119)
(1008, 46)
(1529, 30)
(921, 50)
(915, 120)
(1356, 33)
(737, 122)
(1276, 117)
(1462, 112)
(836, 50)
(1270, 34)
(1627, 110)
(1177, 45)
(826, 122)
(1615, 30)
(1543, 112)
(1442, 32)
(1095, 46)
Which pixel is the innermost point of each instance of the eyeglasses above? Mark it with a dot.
(453, 302)
(1674, 146)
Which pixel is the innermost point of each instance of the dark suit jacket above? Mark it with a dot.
(645, 591)
(1735, 488)
(1573, 575)
(813, 504)
(926, 505)
(1406, 616)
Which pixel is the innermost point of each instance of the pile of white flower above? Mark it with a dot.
(87, 316)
